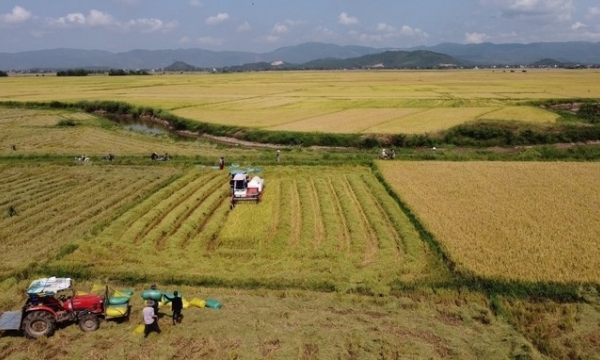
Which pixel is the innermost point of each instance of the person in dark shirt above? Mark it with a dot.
(176, 306)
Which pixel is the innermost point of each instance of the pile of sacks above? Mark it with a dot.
(164, 300)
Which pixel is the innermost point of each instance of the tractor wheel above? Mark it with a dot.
(39, 323)
(89, 322)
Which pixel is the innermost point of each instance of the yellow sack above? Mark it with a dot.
(162, 304)
(185, 303)
(96, 288)
(197, 302)
(117, 293)
(139, 329)
(116, 310)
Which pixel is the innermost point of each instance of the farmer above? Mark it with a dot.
(155, 303)
(221, 163)
(176, 306)
(150, 319)
(278, 155)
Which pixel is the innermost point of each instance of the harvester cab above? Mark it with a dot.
(52, 301)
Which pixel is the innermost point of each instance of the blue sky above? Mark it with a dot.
(265, 25)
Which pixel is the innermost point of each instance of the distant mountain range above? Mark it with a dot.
(480, 54)
(522, 54)
(418, 59)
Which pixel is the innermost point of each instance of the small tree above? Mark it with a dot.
(3, 73)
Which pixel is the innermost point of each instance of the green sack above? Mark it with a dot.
(117, 300)
(155, 295)
(128, 292)
(213, 304)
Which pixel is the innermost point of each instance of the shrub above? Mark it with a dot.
(66, 122)
(590, 112)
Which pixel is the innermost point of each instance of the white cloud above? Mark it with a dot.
(578, 25)
(280, 28)
(345, 19)
(150, 25)
(17, 15)
(561, 10)
(413, 32)
(196, 3)
(593, 11)
(475, 38)
(68, 20)
(185, 40)
(100, 19)
(383, 27)
(217, 19)
(243, 27)
(386, 32)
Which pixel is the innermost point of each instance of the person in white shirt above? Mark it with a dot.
(150, 319)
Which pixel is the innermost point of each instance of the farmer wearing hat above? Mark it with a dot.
(150, 319)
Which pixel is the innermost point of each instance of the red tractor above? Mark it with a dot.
(52, 301)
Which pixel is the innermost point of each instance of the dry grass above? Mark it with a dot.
(287, 325)
(526, 221)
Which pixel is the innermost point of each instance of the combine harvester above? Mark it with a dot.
(245, 189)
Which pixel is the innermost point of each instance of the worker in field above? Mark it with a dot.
(278, 155)
(155, 303)
(383, 154)
(176, 307)
(150, 319)
(221, 163)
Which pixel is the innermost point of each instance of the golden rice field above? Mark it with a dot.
(511, 220)
(315, 226)
(354, 101)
